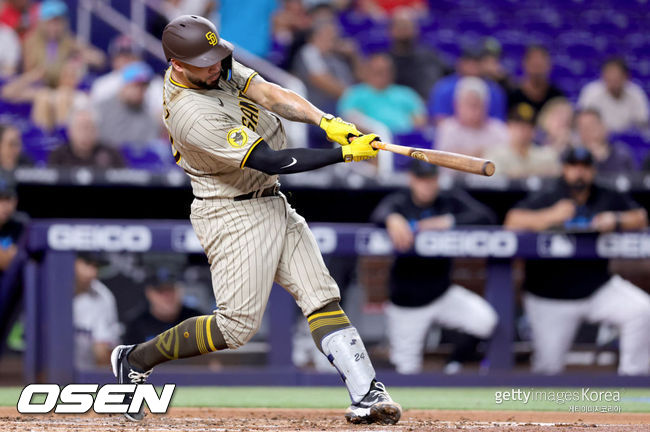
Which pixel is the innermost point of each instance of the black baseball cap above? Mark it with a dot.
(160, 278)
(91, 257)
(422, 169)
(577, 155)
(522, 113)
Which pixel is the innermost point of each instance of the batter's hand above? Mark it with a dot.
(360, 149)
(338, 130)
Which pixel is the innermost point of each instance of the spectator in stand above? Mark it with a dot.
(246, 23)
(11, 52)
(96, 327)
(321, 66)
(83, 149)
(608, 158)
(535, 88)
(379, 9)
(561, 293)
(416, 66)
(51, 44)
(124, 118)
(379, 98)
(12, 223)
(622, 104)
(51, 106)
(122, 51)
(164, 310)
(20, 15)
(522, 157)
(555, 124)
(421, 292)
(11, 146)
(441, 98)
(490, 64)
(470, 130)
(290, 21)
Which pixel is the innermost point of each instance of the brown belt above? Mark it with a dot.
(260, 193)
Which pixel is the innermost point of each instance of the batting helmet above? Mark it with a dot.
(194, 40)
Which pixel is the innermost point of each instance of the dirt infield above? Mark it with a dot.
(293, 420)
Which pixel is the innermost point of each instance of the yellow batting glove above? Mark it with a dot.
(338, 130)
(360, 149)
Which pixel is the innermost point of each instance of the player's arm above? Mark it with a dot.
(294, 107)
(264, 158)
(542, 219)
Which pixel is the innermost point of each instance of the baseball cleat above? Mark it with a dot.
(375, 407)
(126, 374)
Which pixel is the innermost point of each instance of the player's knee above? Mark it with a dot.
(239, 330)
(485, 320)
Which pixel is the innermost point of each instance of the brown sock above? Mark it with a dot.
(325, 320)
(194, 336)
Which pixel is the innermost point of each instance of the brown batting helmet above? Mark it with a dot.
(194, 40)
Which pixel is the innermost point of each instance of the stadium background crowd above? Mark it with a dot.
(518, 83)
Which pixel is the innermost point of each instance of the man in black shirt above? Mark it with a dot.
(421, 292)
(535, 88)
(560, 294)
(165, 309)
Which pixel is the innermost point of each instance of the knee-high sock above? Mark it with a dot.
(194, 336)
(326, 320)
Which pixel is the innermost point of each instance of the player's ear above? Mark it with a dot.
(178, 67)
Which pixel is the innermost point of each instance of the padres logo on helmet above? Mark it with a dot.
(212, 38)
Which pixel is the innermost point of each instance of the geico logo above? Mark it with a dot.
(185, 240)
(326, 239)
(628, 245)
(78, 398)
(99, 237)
(466, 243)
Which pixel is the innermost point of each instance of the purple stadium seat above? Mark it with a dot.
(146, 156)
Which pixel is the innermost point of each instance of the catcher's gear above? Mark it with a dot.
(338, 130)
(360, 149)
(194, 40)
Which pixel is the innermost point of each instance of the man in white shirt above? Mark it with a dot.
(622, 104)
(96, 327)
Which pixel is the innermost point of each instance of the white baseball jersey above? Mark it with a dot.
(249, 243)
(214, 131)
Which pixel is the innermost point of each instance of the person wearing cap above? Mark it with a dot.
(609, 158)
(535, 88)
(562, 293)
(96, 327)
(470, 130)
(491, 66)
(522, 157)
(124, 118)
(122, 51)
(51, 44)
(421, 291)
(224, 125)
(442, 96)
(164, 310)
(83, 148)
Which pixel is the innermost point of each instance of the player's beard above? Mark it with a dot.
(206, 85)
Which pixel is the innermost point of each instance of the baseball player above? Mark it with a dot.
(222, 119)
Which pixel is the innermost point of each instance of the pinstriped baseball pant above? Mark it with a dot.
(249, 245)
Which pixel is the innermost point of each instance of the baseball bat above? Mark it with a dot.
(445, 159)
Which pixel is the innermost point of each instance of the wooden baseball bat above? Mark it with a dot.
(445, 159)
